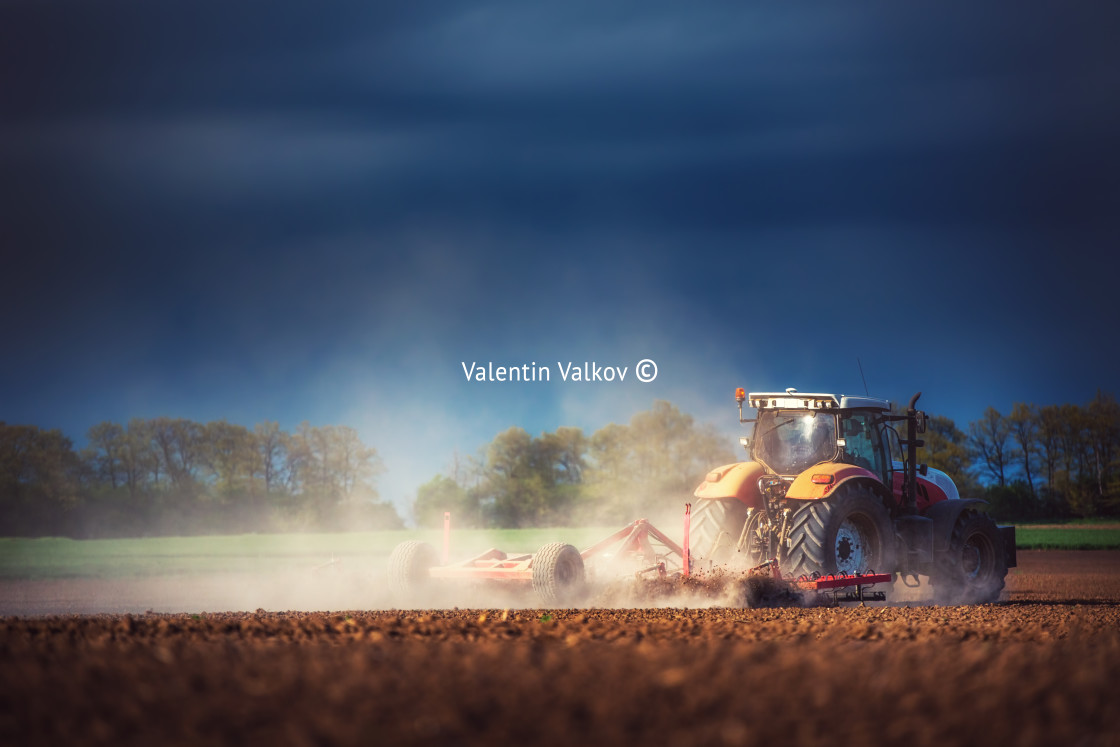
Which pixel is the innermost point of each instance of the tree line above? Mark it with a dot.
(177, 476)
(1053, 461)
(165, 476)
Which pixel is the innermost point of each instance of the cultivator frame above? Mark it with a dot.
(633, 540)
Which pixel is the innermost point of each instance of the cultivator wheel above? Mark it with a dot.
(558, 574)
(974, 569)
(409, 564)
(848, 533)
(715, 529)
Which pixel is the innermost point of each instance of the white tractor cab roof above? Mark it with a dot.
(793, 400)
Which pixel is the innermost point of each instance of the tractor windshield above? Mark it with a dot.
(791, 441)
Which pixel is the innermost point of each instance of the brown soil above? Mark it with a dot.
(1041, 668)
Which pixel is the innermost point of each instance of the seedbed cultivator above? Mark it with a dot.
(559, 574)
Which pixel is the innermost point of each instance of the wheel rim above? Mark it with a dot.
(755, 549)
(854, 545)
(977, 558)
(565, 573)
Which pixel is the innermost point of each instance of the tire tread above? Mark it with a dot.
(546, 584)
(808, 551)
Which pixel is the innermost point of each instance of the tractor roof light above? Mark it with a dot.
(740, 395)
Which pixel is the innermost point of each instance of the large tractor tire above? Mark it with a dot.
(851, 532)
(409, 564)
(558, 574)
(974, 569)
(714, 532)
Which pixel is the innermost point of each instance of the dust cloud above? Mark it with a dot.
(343, 586)
(312, 583)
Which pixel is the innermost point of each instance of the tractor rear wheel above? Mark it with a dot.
(973, 570)
(558, 574)
(409, 564)
(714, 531)
(850, 532)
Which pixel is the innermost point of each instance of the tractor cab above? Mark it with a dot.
(794, 432)
(791, 441)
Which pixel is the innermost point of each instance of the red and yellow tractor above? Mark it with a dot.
(822, 494)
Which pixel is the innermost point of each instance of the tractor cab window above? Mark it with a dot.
(791, 441)
(862, 446)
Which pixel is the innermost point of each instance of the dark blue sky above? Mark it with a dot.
(307, 212)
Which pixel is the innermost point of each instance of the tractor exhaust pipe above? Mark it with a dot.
(910, 505)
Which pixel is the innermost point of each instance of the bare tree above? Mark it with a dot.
(1103, 435)
(989, 437)
(1023, 423)
(1049, 439)
(181, 448)
(105, 444)
(138, 459)
(270, 448)
(229, 452)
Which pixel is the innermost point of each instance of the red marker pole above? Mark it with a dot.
(446, 536)
(687, 531)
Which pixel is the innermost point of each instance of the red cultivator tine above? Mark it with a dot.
(687, 531)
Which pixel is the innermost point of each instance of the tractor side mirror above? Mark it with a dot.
(922, 419)
(745, 442)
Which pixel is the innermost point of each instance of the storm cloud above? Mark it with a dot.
(258, 212)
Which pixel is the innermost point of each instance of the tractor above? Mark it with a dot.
(821, 495)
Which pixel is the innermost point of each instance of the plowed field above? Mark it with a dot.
(1041, 668)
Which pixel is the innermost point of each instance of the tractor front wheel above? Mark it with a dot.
(714, 532)
(558, 574)
(973, 570)
(848, 533)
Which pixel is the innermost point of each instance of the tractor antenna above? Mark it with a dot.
(865, 391)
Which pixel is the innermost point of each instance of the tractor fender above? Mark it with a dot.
(822, 481)
(944, 515)
(739, 481)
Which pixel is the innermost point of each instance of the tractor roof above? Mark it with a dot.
(795, 400)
